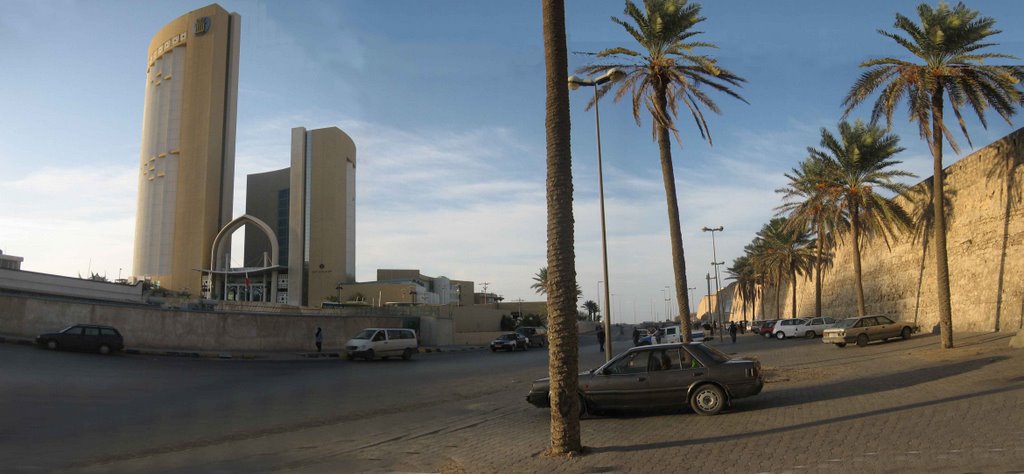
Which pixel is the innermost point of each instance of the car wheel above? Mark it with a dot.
(369, 354)
(707, 400)
(862, 340)
(905, 333)
(52, 345)
(104, 349)
(840, 345)
(493, 349)
(780, 335)
(407, 353)
(810, 334)
(767, 335)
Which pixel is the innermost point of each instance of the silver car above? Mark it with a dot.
(867, 328)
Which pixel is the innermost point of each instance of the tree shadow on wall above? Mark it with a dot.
(1009, 154)
(922, 216)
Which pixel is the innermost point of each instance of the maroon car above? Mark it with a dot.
(767, 327)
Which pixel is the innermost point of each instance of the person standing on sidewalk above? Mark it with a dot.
(319, 339)
(732, 332)
(600, 337)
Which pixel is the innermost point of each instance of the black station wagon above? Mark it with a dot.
(84, 337)
(663, 375)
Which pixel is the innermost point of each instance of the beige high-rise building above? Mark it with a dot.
(322, 215)
(188, 146)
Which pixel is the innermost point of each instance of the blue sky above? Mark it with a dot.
(444, 100)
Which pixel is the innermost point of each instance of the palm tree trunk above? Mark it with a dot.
(778, 298)
(859, 284)
(817, 272)
(764, 313)
(793, 279)
(675, 233)
(563, 339)
(939, 228)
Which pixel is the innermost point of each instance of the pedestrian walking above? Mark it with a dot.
(732, 332)
(319, 339)
(600, 337)
(636, 335)
(743, 326)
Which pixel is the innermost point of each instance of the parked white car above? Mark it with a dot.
(787, 328)
(383, 342)
(670, 334)
(814, 327)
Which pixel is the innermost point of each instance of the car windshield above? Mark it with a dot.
(73, 326)
(847, 323)
(365, 334)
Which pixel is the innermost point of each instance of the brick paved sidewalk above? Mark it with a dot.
(898, 407)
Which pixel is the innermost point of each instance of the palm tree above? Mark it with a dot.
(948, 41)
(592, 309)
(857, 163)
(811, 204)
(540, 284)
(665, 73)
(922, 220)
(560, 273)
(540, 280)
(788, 250)
(742, 270)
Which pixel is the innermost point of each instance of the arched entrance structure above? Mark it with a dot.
(223, 279)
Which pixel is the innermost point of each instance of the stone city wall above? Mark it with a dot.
(155, 328)
(985, 244)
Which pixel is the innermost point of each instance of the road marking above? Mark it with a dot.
(913, 452)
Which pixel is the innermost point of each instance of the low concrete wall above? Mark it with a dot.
(476, 338)
(149, 327)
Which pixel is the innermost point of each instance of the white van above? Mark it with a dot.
(670, 334)
(383, 342)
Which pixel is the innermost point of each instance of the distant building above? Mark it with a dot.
(187, 160)
(406, 287)
(10, 262)
(300, 227)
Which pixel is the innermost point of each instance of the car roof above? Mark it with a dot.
(86, 325)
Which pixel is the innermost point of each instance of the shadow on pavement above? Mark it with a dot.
(866, 385)
(771, 398)
(800, 426)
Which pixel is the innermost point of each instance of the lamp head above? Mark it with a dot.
(575, 82)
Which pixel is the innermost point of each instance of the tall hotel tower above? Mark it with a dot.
(322, 232)
(187, 162)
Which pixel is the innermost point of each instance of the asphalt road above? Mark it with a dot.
(895, 407)
(67, 409)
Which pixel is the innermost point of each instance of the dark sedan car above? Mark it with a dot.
(663, 375)
(510, 342)
(84, 337)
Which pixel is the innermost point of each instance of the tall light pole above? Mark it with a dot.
(718, 299)
(714, 261)
(690, 302)
(576, 83)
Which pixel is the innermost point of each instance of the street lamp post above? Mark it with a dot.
(575, 83)
(690, 302)
(714, 261)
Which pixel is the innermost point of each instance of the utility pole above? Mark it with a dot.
(708, 278)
